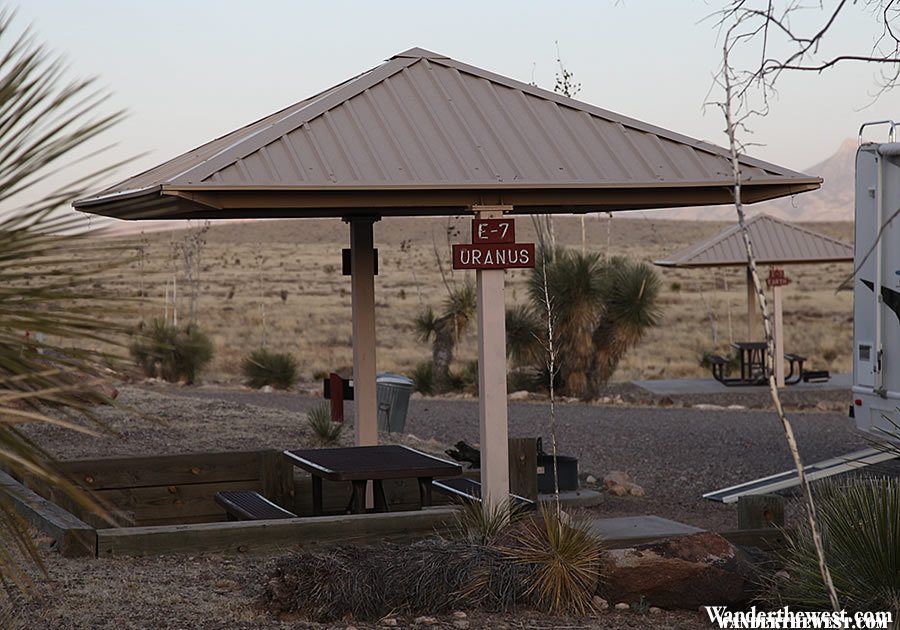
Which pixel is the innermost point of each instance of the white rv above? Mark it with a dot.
(876, 289)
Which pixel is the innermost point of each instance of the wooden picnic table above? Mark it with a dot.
(361, 464)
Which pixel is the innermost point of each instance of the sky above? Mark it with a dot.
(188, 71)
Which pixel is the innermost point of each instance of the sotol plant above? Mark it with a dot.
(323, 427)
(860, 524)
(275, 369)
(172, 353)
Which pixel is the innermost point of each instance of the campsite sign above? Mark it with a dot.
(777, 278)
(493, 247)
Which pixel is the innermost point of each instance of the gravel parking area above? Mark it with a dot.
(675, 453)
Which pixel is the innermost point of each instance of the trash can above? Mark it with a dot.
(394, 391)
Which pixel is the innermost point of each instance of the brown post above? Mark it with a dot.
(523, 467)
(758, 511)
(336, 384)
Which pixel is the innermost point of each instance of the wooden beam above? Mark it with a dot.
(276, 476)
(266, 536)
(135, 472)
(71, 536)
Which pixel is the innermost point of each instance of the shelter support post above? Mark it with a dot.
(492, 408)
(751, 306)
(779, 336)
(362, 288)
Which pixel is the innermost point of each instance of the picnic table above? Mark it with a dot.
(361, 464)
(753, 360)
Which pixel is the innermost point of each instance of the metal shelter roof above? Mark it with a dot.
(774, 242)
(423, 134)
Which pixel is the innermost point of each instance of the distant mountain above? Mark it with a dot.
(832, 202)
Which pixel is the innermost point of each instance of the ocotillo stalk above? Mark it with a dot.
(770, 342)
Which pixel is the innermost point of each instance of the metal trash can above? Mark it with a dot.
(394, 391)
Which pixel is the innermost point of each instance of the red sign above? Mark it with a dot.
(777, 278)
(493, 231)
(491, 256)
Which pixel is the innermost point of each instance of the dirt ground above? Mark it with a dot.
(675, 453)
(279, 284)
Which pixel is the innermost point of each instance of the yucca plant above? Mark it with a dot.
(323, 427)
(174, 354)
(56, 348)
(423, 378)
(860, 523)
(275, 369)
(601, 307)
(561, 556)
(445, 330)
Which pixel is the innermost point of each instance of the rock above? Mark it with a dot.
(823, 406)
(622, 606)
(389, 621)
(462, 624)
(416, 396)
(424, 621)
(600, 603)
(460, 615)
(519, 395)
(707, 406)
(591, 479)
(666, 401)
(653, 610)
(570, 399)
(684, 572)
(736, 407)
(268, 389)
(620, 484)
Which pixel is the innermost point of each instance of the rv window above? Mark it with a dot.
(864, 352)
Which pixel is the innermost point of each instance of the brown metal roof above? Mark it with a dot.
(774, 242)
(425, 134)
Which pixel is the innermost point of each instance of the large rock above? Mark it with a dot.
(682, 572)
(620, 484)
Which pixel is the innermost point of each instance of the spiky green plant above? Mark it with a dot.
(601, 308)
(275, 369)
(446, 330)
(56, 343)
(562, 557)
(174, 354)
(485, 524)
(423, 378)
(860, 523)
(323, 427)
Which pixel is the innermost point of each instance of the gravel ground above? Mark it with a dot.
(675, 453)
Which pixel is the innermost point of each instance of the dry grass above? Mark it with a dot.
(278, 284)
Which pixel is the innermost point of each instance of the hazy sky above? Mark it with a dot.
(189, 71)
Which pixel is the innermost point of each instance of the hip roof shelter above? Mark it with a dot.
(775, 242)
(423, 134)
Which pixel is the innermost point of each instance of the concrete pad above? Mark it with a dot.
(675, 387)
(631, 530)
(573, 498)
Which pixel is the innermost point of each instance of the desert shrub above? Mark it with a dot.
(466, 379)
(426, 577)
(171, 353)
(323, 427)
(276, 369)
(423, 378)
(562, 558)
(859, 520)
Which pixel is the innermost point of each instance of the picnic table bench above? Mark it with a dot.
(469, 490)
(247, 505)
(752, 355)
